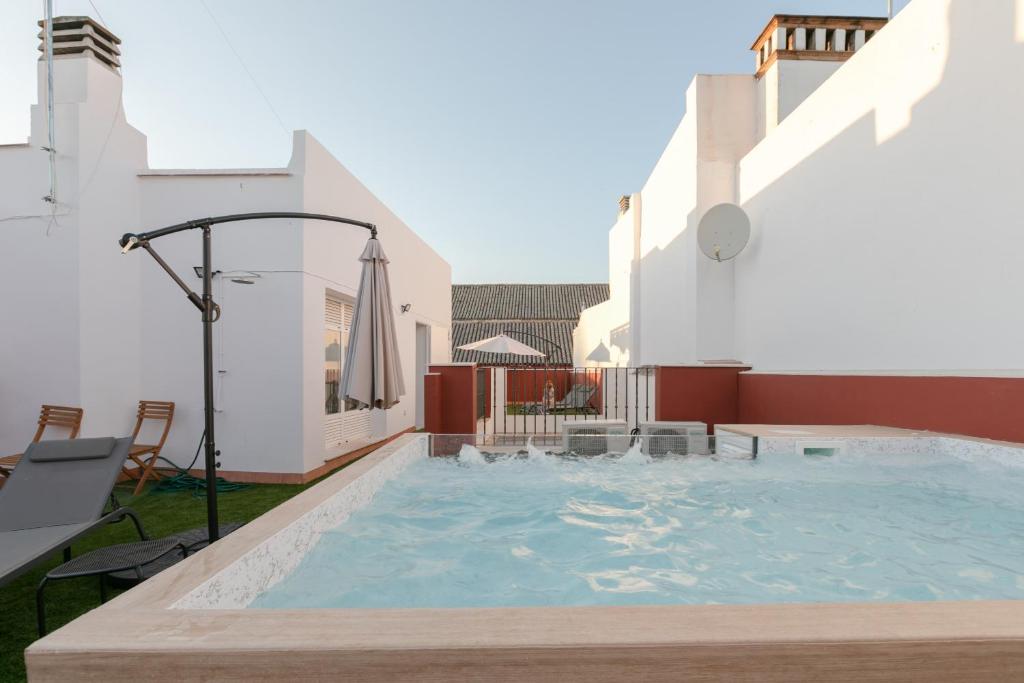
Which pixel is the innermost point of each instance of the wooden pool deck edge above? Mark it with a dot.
(940, 641)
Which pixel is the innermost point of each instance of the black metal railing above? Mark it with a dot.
(539, 399)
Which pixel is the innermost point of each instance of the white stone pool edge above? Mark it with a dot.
(254, 572)
(922, 444)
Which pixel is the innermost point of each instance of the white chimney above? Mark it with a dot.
(796, 53)
(74, 37)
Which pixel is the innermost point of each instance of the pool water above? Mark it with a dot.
(544, 530)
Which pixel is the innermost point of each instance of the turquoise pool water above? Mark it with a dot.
(543, 530)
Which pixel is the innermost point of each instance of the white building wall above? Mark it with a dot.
(39, 355)
(102, 330)
(885, 208)
(784, 86)
(106, 199)
(258, 339)
(677, 304)
(604, 335)
(668, 276)
(418, 277)
(71, 325)
(797, 80)
(269, 358)
(767, 112)
(726, 131)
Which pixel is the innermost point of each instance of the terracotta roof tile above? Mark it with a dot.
(551, 311)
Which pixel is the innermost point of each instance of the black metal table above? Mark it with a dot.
(120, 557)
(193, 540)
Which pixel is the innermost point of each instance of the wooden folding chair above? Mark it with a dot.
(160, 411)
(49, 416)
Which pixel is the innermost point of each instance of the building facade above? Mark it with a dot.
(879, 164)
(101, 330)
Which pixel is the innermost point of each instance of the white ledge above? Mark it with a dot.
(159, 172)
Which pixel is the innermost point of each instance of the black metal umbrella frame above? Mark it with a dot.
(210, 314)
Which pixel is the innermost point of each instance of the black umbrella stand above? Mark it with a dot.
(210, 314)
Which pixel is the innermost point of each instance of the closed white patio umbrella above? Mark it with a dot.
(502, 343)
(372, 376)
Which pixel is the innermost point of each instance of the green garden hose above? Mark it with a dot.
(183, 481)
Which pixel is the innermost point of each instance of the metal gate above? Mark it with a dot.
(537, 400)
(482, 385)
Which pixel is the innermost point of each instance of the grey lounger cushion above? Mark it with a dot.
(71, 449)
(52, 487)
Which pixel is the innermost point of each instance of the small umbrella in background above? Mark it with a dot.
(502, 344)
(372, 377)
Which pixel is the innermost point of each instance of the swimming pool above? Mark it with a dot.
(545, 530)
(617, 592)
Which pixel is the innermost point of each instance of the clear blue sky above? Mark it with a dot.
(502, 131)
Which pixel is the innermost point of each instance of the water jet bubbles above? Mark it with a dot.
(471, 455)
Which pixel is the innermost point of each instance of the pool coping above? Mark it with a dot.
(864, 431)
(138, 634)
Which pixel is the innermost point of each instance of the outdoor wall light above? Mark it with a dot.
(406, 307)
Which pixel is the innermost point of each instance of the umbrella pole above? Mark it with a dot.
(209, 316)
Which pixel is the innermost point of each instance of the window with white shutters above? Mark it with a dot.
(340, 426)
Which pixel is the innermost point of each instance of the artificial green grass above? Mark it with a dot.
(161, 514)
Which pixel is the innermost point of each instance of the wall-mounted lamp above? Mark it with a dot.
(406, 307)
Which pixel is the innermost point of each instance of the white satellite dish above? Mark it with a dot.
(723, 232)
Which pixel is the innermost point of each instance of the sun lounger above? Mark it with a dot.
(55, 496)
(578, 398)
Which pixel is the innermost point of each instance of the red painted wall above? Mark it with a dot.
(990, 407)
(458, 399)
(433, 413)
(704, 394)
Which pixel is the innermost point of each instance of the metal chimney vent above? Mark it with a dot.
(74, 36)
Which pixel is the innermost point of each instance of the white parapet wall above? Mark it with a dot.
(886, 225)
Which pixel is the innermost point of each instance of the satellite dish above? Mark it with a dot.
(723, 232)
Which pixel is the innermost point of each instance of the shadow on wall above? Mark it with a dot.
(670, 272)
(862, 255)
(600, 354)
